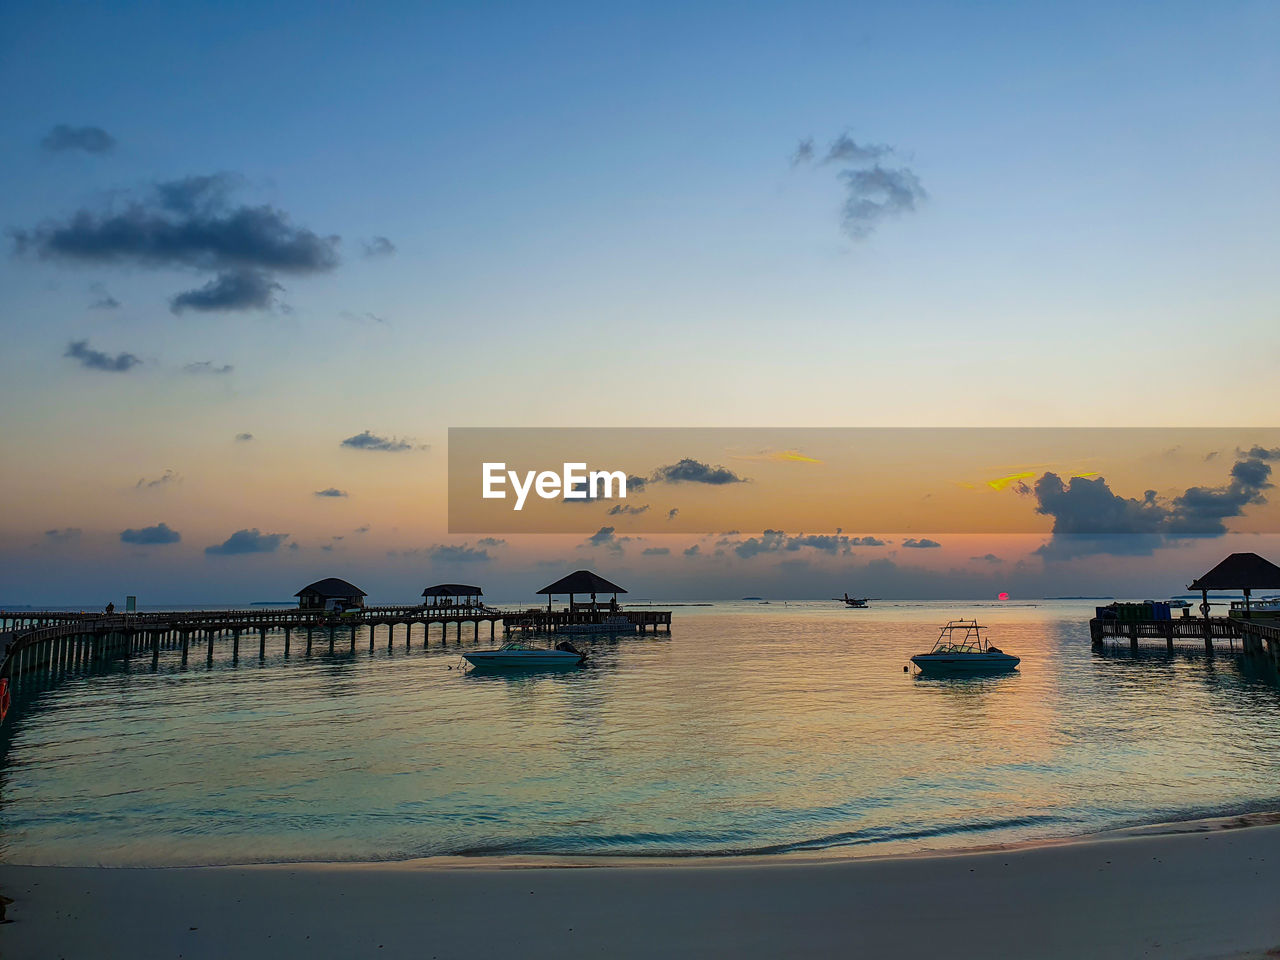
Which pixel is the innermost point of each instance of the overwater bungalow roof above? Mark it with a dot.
(453, 590)
(1240, 571)
(582, 581)
(332, 587)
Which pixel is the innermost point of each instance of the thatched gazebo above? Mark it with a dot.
(582, 581)
(1240, 571)
(452, 594)
(318, 595)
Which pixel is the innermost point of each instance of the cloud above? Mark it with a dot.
(363, 318)
(229, 291)
(922, 544)
(490, 542)
(105, 302)
(89, 139)
(673, 513)
(694, 471)
(844, 149)
(371, 441)
(166, 478)
(190, 223)
(656, 551)
(773, 541)
(330, 492)
(987, 558)
(63, 535)
(248, 541)
(1088, 517)
(767, 542)
(873, 192)
(461, 553)
(606, 537)
(92, 359)
(379, 247)
(693, 551)
(207, 366)
(365, 529)
(160, 533)
(243, 437)
(625, 509)
(866, 542)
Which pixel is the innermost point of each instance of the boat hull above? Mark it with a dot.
(951, 663)
(523, 659)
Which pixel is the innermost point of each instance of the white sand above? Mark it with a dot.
(1214, 893)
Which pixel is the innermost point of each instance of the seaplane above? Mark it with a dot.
(857, 603)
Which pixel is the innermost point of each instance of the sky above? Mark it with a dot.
(254, 254)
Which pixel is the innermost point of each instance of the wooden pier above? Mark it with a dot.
(1257, 637)
(52, 644)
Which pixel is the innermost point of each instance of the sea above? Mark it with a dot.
(753, 728)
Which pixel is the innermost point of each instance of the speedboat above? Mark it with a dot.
(519, 655)
(961, 648)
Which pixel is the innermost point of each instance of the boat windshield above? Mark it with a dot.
(961, 636)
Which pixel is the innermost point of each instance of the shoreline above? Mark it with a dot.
(1243, 819)
(1194, 889)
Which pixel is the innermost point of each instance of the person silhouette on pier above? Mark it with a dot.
(111, 608)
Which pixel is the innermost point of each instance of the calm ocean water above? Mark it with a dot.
(751, 729)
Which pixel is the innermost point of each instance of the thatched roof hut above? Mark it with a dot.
(582, 581)
(318, 594)
(449, 594)
(1240, 571)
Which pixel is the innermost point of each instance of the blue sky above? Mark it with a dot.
(596, 221)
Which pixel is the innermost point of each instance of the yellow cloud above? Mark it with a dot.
(1003, 482)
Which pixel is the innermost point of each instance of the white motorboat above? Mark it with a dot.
(516, 654)
(961, 648)
(606, 625)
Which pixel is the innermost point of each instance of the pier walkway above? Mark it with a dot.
(1257, 637)
(51, 643)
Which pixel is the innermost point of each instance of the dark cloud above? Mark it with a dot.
(844, 149)
(207, 366)
(105, 303)
(490, 542)
(364, 529)
(767, 542)
(190, 223)
(248, 541)
(97, 360)
(673, 513)
(922, 544)
(371, 441)
(160, 533)
(379, 247)
(607, 537)
(625, 509)
(166, 478)
(89, 139)
(229, 291)
(63, 534)
(866, 542)
(987, 558)
(243, 437)
(330, 492)
(692, 551)
(873, 192)
(694, 471)
(656, 551)
(773, 541)
(1088, 517)
(461, 553)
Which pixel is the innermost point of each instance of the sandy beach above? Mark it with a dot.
(1198, 890)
